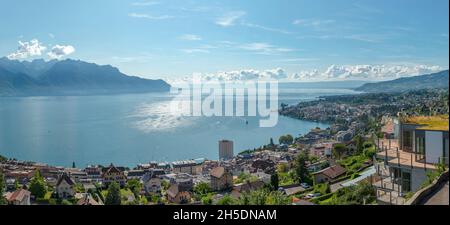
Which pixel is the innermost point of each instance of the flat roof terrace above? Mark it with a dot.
(402, 158)
(436, 123)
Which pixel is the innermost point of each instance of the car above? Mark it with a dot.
(312, 195)
(305, 185)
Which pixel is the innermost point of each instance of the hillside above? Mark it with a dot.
(69, 77)
(435, 80)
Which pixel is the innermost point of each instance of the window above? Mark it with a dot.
(420, 148)
(407, 140)
(406, 182)
(445, 151)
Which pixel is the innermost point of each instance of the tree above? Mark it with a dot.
(2, 186)
(135, 186)
(38, 187)
(165, 184)
(73, 165)
(207, 200)
(226, 200)
(3, 159)
(301, 171)
(202, 189)
(66, 202)
(263, 197)
(354, 195)
(258, 197)
(16, 185)
(339, 149)
(271, 142)
(322, 188)
(313, 159)
(113, 197)
(286, 139)
(156, 198)
(282, 168)
(274, 181)
(277, 198)
(359, 144)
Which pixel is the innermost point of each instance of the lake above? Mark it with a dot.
(133, 128)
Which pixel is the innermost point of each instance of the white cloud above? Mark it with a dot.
(370, 38)
(59, 51)
(238, 75)
(271, 29)
(297, 60)
(147, 3)
(264, 48)
(332, 73)
(150, 17)
(195, 50)
(190, 37)
(366, 72)
(230, 18)
(28, 49)
(312, 22)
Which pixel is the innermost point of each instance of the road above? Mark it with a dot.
(335, 187)
(440, 197)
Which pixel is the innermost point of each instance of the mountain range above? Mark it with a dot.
(69, 77)
(436, 80)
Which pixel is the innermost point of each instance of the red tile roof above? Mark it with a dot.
(333, 171)
(18, 195)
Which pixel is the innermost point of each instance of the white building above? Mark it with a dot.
(423, 143)
(65, 187)
(152, 181)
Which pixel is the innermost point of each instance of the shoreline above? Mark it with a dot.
(157, 161)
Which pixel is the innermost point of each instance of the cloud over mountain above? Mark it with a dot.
(59, 51)
(332, 73)
(35, 48)
(28, 49)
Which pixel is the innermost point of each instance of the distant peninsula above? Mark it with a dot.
(430, 81)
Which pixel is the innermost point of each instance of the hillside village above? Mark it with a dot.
(366, 156)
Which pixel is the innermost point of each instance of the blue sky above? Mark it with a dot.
(156, 38)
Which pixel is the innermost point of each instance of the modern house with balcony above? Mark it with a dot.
(422, 145)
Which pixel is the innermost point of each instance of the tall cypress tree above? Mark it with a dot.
(113, 197)
(2, 186)
(38, 186)
(274, 181)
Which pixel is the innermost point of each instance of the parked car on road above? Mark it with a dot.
(312, 195)
(305, 185)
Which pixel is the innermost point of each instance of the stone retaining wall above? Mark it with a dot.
(423, 194)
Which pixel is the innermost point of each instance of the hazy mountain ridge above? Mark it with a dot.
(435, 80)
(69, 77)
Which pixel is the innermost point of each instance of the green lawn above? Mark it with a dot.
(285, 179)
(125, 192)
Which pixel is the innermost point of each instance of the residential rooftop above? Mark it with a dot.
(439, 122)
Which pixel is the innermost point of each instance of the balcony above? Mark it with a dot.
(399, 158)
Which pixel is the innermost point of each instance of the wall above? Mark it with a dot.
(422, 195)
(433, 146)
(418, 176)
